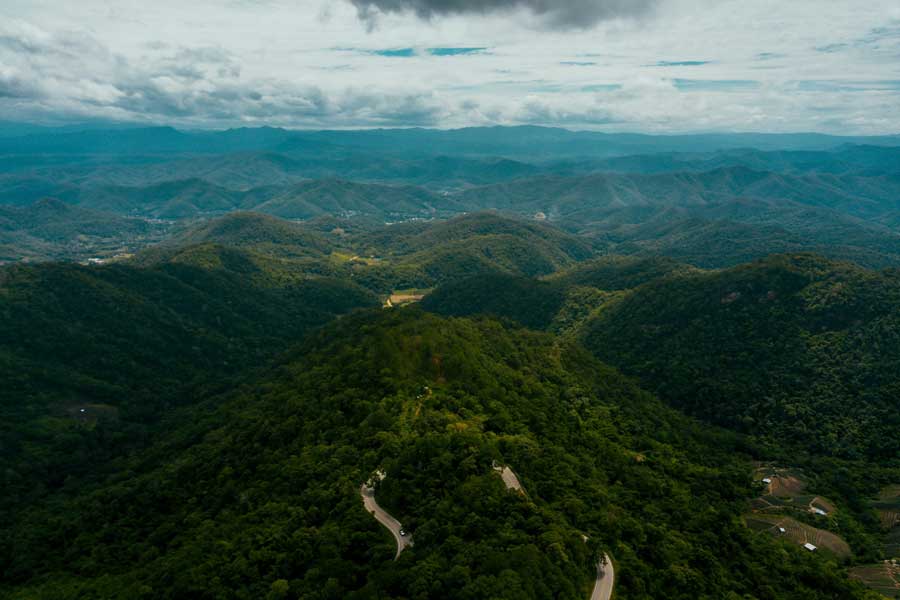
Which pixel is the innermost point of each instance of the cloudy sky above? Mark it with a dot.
(613, 65)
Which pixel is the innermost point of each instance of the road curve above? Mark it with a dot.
(368, 497)
(605, 579)
(603, 586)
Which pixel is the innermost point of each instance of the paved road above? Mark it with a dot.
(368, 497)
(605, 579)
(603, 587)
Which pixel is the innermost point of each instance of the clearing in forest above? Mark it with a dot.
(783, 489)
(799, 533)
(404, 297)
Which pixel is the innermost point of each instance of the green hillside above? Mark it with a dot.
(528, 302)
(52, 230)
(255, 231)
(255, 493)
(123, 346)
(797, 348)
(618, 272)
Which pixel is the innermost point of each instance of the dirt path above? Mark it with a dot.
(383, 517)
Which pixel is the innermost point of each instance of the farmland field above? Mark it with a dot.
(785, 483)
(884, 578)
(799, 532)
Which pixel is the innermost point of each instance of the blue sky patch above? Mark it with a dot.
(411, 52)
(450, 51)
(716, 85)
(395, 53)
(838, 85)
(601, 87)
(831, 48)
(682, 63)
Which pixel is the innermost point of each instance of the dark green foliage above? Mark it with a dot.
(614, 273)
(793, 348)
(255, 493)
(92, 357)
(428, 254)
(526, 301)
(258, 232)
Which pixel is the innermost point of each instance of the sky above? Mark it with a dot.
(653, 66)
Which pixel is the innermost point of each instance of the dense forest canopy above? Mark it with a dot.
(255, 492)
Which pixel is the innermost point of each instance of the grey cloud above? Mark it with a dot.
(13, 86)
(79, 77)
(554, 13)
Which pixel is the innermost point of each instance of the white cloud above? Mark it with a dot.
(204, 64)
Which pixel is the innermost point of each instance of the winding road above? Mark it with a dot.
(368, 496)
(603, 586)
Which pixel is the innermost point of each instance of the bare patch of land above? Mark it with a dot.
(404, 297)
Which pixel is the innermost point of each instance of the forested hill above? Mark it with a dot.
(92, 358)
(256, 493)
(794, 347)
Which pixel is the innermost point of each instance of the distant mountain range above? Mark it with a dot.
(520, 141)
(710, 200)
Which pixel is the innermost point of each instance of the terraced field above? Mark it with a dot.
(799, 532)
(784, 483)
(784, 491)
(884, 578)
(892, 543)
(888, 506)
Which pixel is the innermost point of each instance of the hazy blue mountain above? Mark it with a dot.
(846, 159)
(525, 141)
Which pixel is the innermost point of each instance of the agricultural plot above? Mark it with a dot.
(781, 482)
(799, 533)
(783, 489)
(888, 507)
(892, 543)
(403, 297)
(883, 578)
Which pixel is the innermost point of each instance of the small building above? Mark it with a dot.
(819, 511)
(767, 480)
(810, 547)
(782, 530)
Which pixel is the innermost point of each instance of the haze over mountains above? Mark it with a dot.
(763, 193)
